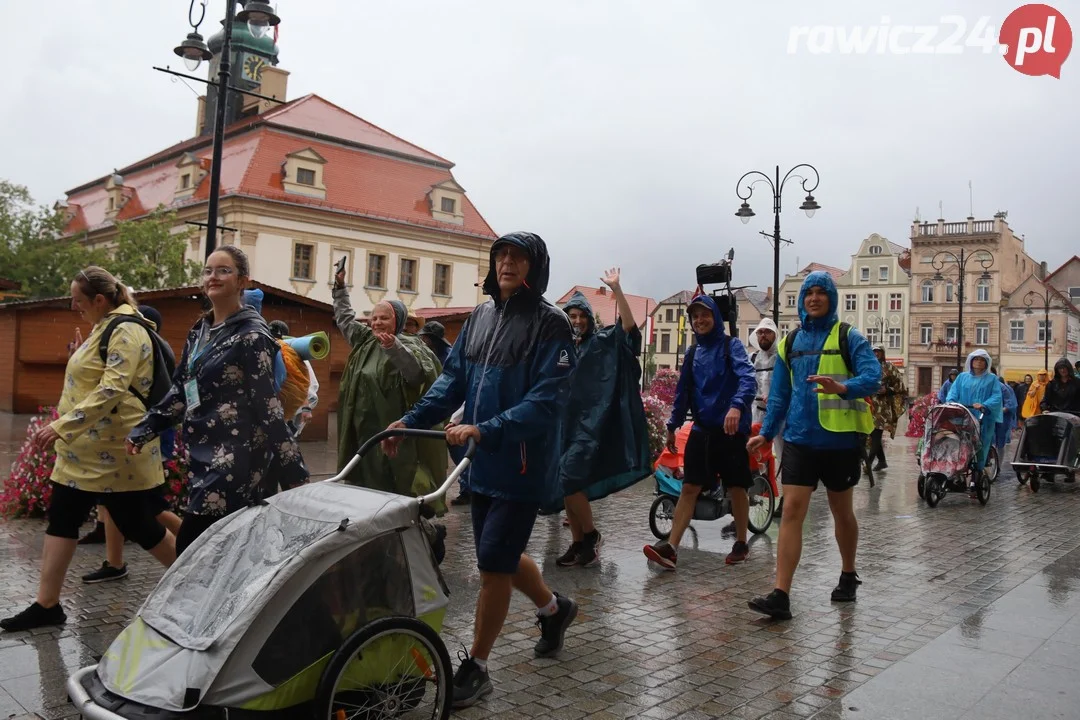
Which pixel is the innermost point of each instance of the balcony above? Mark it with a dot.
(952, 229)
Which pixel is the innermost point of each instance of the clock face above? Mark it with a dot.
(252, 67)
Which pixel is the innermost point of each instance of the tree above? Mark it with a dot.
(148, 255)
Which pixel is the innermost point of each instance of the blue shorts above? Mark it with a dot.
(501, 530)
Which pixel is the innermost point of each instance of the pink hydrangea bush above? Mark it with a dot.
(663, 386)
(917, 415)
(656, 416)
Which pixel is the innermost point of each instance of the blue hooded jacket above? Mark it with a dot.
(511, 367)
(798, 403)
(720, 383)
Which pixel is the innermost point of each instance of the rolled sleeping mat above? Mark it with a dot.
(311, 347)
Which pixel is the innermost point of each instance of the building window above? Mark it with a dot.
(1016, 331)
(1074, 293)
(442, 279)
(926, 333)
(949, 291)
(665, 342)
(872, 302)
(875, 249)
(883, 273)
(785, 328)
(303, 255)
(185, 181)
(790, 300)
(112, 203)
(873, 335)
(894, 338)
(850, 304)
(982, 333)
(1046, 332)
(982, 291)
(305, 176)
(864, 274)
(448, 205)
(407, 275)
(665, 367)
(896, 302)
(952, 333)
(669, 316)
(376, 271)
(928, 291)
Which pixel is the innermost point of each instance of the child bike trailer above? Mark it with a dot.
(324, 602)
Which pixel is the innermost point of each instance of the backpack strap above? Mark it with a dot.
(688, 369)
(845, 348)
(103, 347)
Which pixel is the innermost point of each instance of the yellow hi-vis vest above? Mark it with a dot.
(834, 412)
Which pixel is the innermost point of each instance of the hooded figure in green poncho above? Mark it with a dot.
(386, 373)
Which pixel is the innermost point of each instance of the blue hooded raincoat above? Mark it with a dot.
(1008, 416)
(984, 389)
(798, 401)
(510, 366)
(605, 433)
(723, 379)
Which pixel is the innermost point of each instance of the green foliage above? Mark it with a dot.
(146, 255)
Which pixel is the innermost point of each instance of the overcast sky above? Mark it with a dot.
(615, 129)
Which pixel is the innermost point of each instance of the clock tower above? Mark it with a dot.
(249, 56)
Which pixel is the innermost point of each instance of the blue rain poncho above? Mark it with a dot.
(983, 389)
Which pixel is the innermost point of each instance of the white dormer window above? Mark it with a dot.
(447, 200)
(114, 186)
(302, 173)
(875, 249)
(449, 205)
(189, 173)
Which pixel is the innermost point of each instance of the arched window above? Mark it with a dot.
(928, 291)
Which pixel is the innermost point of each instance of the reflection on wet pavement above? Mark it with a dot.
(964, 609)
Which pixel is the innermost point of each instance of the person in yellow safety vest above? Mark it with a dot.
(824, 371)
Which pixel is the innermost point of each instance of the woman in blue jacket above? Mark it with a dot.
(980, 390)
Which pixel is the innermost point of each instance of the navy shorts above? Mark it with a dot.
(501, 530)
(837, 470)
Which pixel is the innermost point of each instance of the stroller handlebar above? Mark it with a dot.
(424, 500)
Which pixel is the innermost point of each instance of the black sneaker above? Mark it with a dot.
(553, 627)
(471, 684)
(570, 557)
(463, 498)
(95, 536)
(776, 605)
(845, 589)
(881, 466)
(34, 616)
(589, 554)
(105, 574)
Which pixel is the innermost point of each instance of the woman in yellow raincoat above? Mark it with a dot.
(1035, 394)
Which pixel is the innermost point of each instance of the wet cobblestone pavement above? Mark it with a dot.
(684, 645)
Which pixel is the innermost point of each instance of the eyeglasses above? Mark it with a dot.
(221, 272)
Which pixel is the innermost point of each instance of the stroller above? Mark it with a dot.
(712, 505)
(1049, 446)
(324, 601)
(948, 453)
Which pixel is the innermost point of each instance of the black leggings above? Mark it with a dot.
(133, 512)
(191, 528)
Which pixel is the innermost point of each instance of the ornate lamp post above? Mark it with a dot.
(744, 213)
(1045, 300)
(985, 259)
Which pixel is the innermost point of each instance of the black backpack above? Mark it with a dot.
(164, 359)
(845, 349)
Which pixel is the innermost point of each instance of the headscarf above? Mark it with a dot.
(401, 314)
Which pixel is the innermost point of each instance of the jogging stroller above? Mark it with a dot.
(949, 452)
(324, 601)
(713, 505)
(1049, 446)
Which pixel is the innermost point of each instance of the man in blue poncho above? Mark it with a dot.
(943, 393)
(1008, 416)
(823, 374)
(605, 435)
(980, 390)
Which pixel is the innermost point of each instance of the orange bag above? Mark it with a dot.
(294, 390)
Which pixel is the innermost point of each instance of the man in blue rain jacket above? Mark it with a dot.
(510, 366)
(717, 384)
(818, 392)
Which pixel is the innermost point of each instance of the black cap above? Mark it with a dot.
(434, 329)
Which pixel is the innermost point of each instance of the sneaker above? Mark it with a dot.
(95, 536)
(471, 684)
(105, 574)
(662, 554)
(553, 627)
(881, 466)
(589, 553)
(776, 605)
(728, 530)
(845, 589)
(34, 616)
(570, 557)
(464, 498)
(739, 553)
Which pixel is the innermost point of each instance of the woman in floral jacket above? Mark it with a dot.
(223, 394)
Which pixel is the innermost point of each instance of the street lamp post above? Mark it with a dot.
(986, 260)
(1046, 299)
(744, 213)
(260, 17)
(882, 323)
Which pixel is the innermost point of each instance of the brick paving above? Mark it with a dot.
(649, 644)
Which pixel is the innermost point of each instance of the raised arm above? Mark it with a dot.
(355, 332)
(612, 278)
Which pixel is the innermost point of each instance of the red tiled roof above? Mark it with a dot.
(814, 267)
(435, 313)
(365, 181)
(603, 303)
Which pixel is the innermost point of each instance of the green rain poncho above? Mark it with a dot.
(378, 387)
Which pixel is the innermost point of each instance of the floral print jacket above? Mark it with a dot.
(240, 447)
